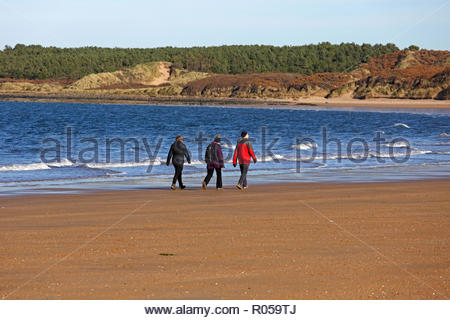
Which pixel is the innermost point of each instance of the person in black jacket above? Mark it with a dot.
(177, 153)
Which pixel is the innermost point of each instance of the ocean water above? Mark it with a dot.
(49, 146)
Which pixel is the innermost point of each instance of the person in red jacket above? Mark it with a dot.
(244, 153)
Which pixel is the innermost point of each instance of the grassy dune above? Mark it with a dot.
(153, 78)
(143, 74)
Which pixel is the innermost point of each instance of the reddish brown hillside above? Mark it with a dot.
(409, 64)
(403, 74)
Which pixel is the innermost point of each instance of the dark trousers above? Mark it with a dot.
(243, 178)
(177, 175)
(218, 174)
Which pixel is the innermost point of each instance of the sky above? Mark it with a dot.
(187, 23)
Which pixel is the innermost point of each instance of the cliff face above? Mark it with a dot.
(420, 74)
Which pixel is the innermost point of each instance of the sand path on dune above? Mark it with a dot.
(164, 74)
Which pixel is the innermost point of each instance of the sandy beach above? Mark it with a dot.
(301, 102)
(379, 103)
(291, 241)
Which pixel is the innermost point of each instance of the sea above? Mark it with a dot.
(79, 147)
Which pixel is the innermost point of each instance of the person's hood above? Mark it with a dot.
(242, 140)
(178, 146)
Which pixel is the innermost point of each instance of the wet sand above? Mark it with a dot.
(318, 102)
(291, 241)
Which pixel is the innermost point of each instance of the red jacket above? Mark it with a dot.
(243, 152)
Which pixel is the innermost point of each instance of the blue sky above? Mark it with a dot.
(144, 24)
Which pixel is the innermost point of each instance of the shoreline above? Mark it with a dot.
(313, 102)
(73, 190)
(138, 185)
(227, 188)
(286, 241)
(193, 181)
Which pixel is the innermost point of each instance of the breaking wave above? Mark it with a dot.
(272, 158)
(36, 166)
(24, 167)
(155, 162)
(227, 146)
(380, 155)
(399, 124)
(399, 144)
(63, 163)
(304, 146)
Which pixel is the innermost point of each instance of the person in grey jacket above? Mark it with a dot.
(177, 153)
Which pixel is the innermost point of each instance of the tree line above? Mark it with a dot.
(38, 62)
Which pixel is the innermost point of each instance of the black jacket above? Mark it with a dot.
(177, 153)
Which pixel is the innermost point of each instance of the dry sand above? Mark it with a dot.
(294, 241)
(379, 102)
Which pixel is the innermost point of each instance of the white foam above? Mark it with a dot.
(380, 155)
(114, 173)
(304, 146)
(399, 124)
(398, 144)
(272, 158)
(417, 151)
(155, 162)
(400, 154)
(63, 163)
(227, 146)
(195, 162)
(24, 167)
(444, 135)
(334, 157)
(443, 143)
